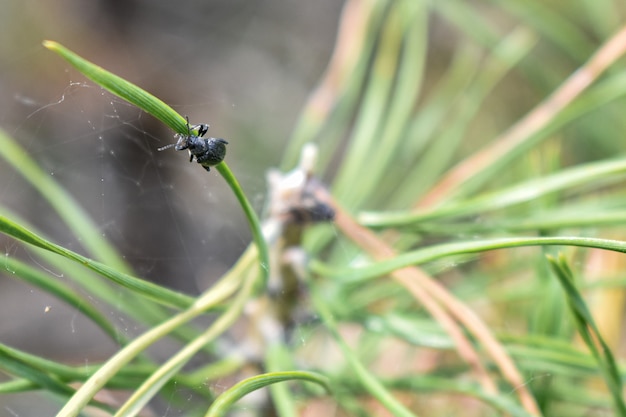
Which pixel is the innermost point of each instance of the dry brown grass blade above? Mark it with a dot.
(350, 38)
(534, 121)
(435, 297)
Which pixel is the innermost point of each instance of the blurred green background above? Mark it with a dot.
(247, 68)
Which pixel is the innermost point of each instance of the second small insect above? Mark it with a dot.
(207, 151)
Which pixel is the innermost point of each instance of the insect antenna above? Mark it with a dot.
(171, 145)
(183, 140)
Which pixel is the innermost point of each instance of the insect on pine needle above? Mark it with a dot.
(207, 151)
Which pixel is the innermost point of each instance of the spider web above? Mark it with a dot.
(173, 222)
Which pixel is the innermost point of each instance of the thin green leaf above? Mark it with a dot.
(254, 223)
(213, 371)
(169, 369)
(134, 305)
(373, 109)
(217, 294)
(44, 365)
(17, 385)
(571, 217)
(62, 202)
(433, 383)
(125, 379)
(34, 277)
(279, 358)
(441, 251)
(344, 77)
(589, 331)
(154, 106)
(431, 115)
(223, 403)
(443, 147)
(122, 88)
(388, 102)
(145, 288)
(611, 170)
(365, 378)
(15, 366)
(553, 26)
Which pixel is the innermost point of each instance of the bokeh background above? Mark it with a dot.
(246, 68)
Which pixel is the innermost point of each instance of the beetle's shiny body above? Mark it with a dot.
(207, 151)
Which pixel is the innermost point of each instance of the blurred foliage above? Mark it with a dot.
(465, 145)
